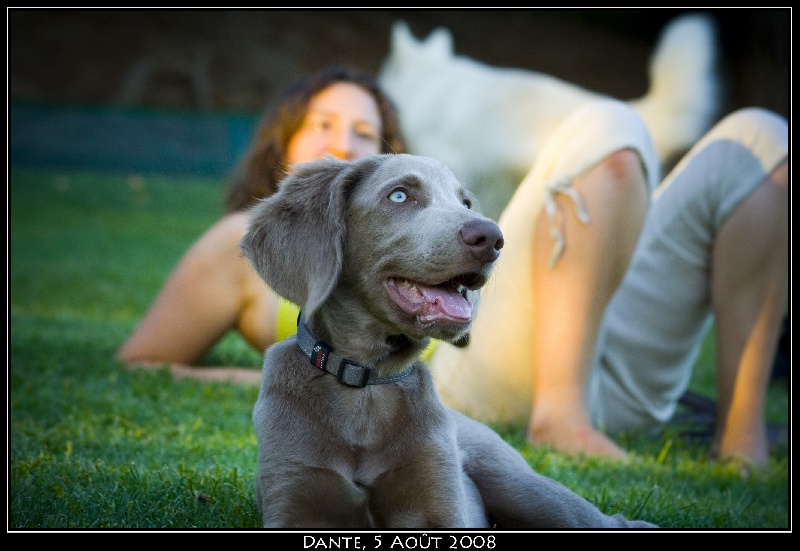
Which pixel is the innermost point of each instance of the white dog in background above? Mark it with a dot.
(488, 123)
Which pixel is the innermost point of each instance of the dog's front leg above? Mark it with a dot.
(425, 493)
(311, 497)
(516, 496)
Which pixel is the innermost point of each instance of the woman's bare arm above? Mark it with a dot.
(212, 290)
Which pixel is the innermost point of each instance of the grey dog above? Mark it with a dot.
(383, 254)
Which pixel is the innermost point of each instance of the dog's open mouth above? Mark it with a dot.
(445, 301)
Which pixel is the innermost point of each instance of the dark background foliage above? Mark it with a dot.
(237, 60)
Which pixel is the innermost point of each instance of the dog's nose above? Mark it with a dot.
(483, 239)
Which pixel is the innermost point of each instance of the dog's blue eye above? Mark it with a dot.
(398, 196)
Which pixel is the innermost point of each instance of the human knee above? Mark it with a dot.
(626, 172)
(624, 164)
(754, 117)
(754, 127)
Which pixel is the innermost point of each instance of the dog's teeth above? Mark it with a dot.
(409, 284)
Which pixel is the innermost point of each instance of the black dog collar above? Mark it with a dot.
(323, 356)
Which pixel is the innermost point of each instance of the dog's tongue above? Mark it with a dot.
(432, 303)
(444, 303)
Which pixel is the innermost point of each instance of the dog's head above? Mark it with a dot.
(395, 236)
(405, 49)
(410, 62)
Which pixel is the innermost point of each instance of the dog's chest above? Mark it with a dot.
(368, 418)
(378, 432)
(359, 430)
(307, 419)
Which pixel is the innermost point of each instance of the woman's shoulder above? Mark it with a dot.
(227, 230)
(236, 222)
(220, 242)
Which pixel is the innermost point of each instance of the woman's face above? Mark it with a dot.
(342, 120)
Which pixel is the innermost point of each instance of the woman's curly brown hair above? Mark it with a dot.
(263, 165)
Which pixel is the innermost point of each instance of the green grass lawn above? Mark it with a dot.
(92, 446)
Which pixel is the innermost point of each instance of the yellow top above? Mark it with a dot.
(287, 325)
(287, 319)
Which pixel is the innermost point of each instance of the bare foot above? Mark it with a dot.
(575, 440)
(746, 448)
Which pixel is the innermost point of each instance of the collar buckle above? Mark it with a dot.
(352, 377)
(323, 356)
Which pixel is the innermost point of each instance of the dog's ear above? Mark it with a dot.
(401, 38)
(296, 237)
(438, 44)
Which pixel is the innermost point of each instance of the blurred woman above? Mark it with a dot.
(213, 289)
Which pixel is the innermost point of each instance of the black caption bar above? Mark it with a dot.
(398, 541)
